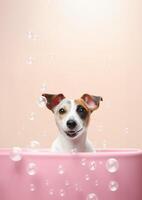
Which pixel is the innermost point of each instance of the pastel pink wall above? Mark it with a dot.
(76, 46)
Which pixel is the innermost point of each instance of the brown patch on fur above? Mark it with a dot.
(82, 103)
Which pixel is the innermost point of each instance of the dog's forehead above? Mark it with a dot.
(65, 102)
(68, 104)
(73, 103)
(68, 101)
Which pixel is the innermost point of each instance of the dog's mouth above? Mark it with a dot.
(73, 133)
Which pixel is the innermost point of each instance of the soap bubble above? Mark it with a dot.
(92, 165)
(34, 145)
(113, 186)
(29, 35)
(32, 116)
(46, 182)
(31, 169)
(126, 130)
(41, 101)
(51, 58)
(44, 87)
(29, 60)
(16, 154)
(104, 144)
(87, 177)
(112, 165)
(96, 183)
(78, 187)
(73, 151)
(62, 193)
(83, 161)
(32, 36)
(51, 192)
(32, 187)
(67, 183)
(60, 169)
(91, 196)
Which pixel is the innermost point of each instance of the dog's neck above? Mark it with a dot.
(77, 144)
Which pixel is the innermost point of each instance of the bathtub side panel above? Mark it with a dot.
(70, 177)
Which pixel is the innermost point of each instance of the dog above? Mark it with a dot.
(72, 119)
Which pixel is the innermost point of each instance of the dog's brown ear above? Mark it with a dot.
(53, 100)
(92, 102)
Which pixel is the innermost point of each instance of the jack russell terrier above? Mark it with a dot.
(72, 118)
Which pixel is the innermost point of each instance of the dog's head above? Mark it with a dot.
(72, 116)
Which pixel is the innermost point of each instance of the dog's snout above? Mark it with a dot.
(71, 124)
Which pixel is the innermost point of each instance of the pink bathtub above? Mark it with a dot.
(40, 175)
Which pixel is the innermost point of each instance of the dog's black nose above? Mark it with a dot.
(71, 124)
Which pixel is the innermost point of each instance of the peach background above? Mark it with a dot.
(76, 46)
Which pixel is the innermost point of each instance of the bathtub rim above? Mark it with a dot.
(111, 152)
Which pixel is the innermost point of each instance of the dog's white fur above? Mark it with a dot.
(64, 143)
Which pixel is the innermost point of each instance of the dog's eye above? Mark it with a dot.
(62, 111)
(80, 109)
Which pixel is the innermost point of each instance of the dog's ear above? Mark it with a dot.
(92, 102)
(53, 100)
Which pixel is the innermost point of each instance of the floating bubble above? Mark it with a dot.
(62, 193)
(41, 101)
(46, 182)
(29, 60)
(92, 165)
(16, 154)
(32, 36)
(31, 169)
(113, 186)
(126, 130)
(32, 187)
(32, 116)
(78, 187)
(73, 151)
(96, 183)
(104, 144)
(87, 177)
(51, 58)
(51, 192)
(91, 196)
(83, 161)
(60, 169)
(34, 145)
(67, 183)
(29, 35)
(112, 165)
(44, 87)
